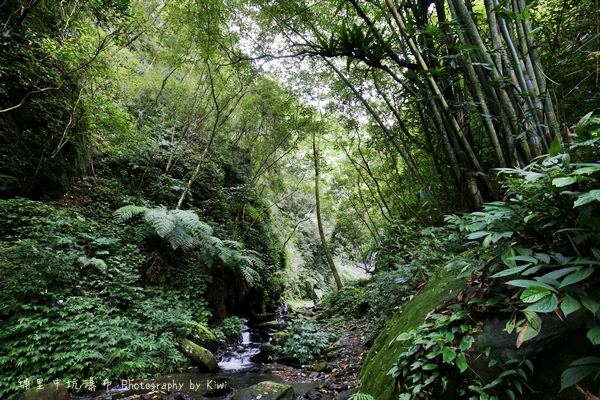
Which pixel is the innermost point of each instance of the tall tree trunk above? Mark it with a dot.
(334, 270)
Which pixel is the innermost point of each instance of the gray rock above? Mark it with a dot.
(49, 391)
(267, 390)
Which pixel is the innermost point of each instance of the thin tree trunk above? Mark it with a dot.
(334, 270)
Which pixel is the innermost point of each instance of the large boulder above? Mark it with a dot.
(201, 336)
(200, 357)
(267, 390)
(442, 287)
(271, 326)
(279, 338)
(49, 391)
(558, 344)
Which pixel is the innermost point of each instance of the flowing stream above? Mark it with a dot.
(237, 372)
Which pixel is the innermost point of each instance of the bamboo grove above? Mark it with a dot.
(459, 82)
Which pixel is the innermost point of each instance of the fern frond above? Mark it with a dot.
(203, 229)
(253, 258)
(249, 274)
(179, 237)
(161, 220)
(361, 396)
(125, 213)
(232, 244)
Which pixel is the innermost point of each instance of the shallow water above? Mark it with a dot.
(234, 375)
(201, 386)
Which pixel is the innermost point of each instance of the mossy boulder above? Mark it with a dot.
(442, 287)
(271, 326)
(200, 357)
(279, 338)
(267, 390)
(49, 391)
(201, 336)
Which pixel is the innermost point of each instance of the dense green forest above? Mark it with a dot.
(166, 165)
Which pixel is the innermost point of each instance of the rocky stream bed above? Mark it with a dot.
(242, 377)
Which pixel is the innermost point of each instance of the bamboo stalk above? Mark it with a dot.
(438, 96)
(521, 78)
(550, 112)
(460, 11)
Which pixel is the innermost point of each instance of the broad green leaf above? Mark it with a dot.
(556, 147)
(526, 259)
(586, 361)
(449, 354)
(534, 320)
(477, 235)
(524, 283)
(429, 367)
(563, 181)
(588, 197)
(569, 304)
(506, 257)
(543, 257)
(545, 305)
(511, 324)
(461, 362)
(594, 335)
(511, 271)
(534, 293)
(590, 304)
(573, 375)
(576, 276)
(586, 170)
(559, 273)
(466, 342)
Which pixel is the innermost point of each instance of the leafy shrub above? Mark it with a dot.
(72, 303)
(77, 339)
(372, 301)
(426, 368)
(542, 244)
(306, 341)
(230, 329)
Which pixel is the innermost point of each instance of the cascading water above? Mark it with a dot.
(240, 357)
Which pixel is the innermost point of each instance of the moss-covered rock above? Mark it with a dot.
(201, 336)
(279, 338)
(200, 357)
(271, 326)
(49, 391)
(442, 287)
(267, 390)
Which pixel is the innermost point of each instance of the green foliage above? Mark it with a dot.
(78, 338)
(542, 244)
(183, 228)
(405, 260)
(361, 396)
(306, 341)
(230, 329)
(73, 305)
(426, 368)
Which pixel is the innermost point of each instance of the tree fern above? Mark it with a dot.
(182, 229)
(128, 212)
(361, 396)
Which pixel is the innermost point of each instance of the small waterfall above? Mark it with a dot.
(239, 357)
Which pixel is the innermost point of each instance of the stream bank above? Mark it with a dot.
(331, 377)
